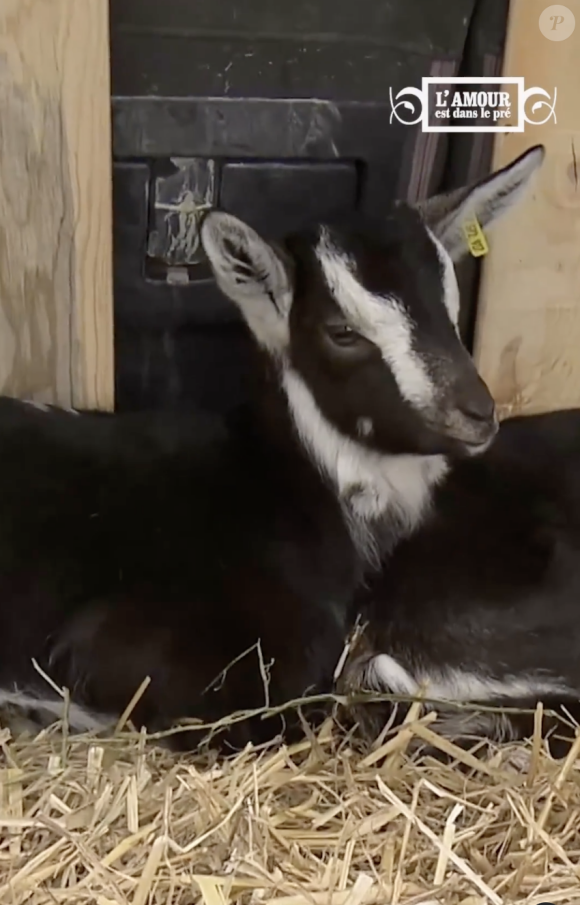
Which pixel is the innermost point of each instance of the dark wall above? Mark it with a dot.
(278, 112)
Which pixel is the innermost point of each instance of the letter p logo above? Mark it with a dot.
(557, 22)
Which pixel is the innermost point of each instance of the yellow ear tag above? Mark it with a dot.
(475, 237)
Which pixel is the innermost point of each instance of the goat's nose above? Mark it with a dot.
(476, 402)
(480, 407)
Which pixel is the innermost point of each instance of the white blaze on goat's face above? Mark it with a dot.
(382, 319)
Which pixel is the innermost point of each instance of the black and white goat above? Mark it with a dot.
(220, 558)
(478, 609)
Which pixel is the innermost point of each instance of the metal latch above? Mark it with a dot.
(178, 202)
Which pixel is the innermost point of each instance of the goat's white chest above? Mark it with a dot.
(400, 486)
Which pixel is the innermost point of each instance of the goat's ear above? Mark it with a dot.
(487, 200)
(252, 273)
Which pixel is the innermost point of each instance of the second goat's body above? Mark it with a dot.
(482, 603)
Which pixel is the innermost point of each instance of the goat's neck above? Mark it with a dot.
(385, 498)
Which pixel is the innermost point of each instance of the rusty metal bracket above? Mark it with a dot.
(179, 201)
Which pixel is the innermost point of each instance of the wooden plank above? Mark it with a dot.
(56, 307)
(527, 342)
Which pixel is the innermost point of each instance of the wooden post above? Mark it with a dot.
(56, 307)
(527, 342)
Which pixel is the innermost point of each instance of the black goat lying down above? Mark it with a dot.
(482, 604)
(180, 547)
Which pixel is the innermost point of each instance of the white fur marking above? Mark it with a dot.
(45, 407)
(456, 685)
(451, 295)
(80, 720)
(41, 406)
(370, 484)
(382, 319)
(384, 671)
(365, 427)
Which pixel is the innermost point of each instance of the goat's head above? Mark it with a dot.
(364, 315)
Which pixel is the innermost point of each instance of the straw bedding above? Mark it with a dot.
(121, 820)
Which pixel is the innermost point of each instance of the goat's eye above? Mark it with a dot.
(342, 334)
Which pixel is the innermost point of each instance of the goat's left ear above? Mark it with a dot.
(487, 200)
(252, 273)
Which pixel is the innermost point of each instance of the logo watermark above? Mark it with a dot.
(557, 22)
(470, 104)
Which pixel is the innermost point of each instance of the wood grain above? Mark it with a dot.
(527, 342)
(56, 304)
